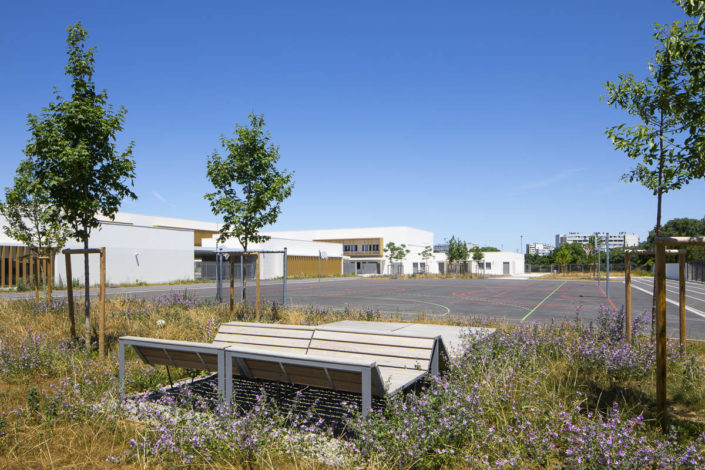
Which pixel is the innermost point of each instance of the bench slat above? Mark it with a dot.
(282, 332)
(263, 340)
(380, 360)
(191, 363)
(271, 349)
(378, 350)
(381, 339)
(396, 379)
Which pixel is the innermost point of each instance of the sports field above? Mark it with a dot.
(513, 299)
(516, 300)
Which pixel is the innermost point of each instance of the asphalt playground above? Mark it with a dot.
(513, 299)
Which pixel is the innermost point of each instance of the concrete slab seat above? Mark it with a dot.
(373, 364)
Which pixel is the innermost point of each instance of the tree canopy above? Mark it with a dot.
(249, 189)
(457, 250)
(668, 138)
(73, 153)
(682, 227)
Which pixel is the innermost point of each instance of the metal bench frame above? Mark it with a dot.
(228, 353)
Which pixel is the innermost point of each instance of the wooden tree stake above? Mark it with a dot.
(101, 319)
(628, 295)
(681, 285)
(69, 294)
(660, 291)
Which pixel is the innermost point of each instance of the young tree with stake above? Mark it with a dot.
(457, 251)
(32, 219)
(73, 152)
(426, 254)
(478, 256)
(249, 189)
(669, 139)
(395, 252)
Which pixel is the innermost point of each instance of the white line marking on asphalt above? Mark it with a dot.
(699, 313)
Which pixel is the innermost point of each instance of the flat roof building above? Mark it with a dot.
(616, 240)
(541, 249)
(155, 249)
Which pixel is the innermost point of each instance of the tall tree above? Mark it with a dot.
(32, 219)
(563, 256)
(395, 252)
(668, 140)
(682, 227)
(74, 154)
(249, 189)
(457, 250)
(477, 256)
(426, 254)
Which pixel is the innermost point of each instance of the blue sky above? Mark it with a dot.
(476, 119)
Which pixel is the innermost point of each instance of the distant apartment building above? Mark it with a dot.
(616, 240)
(541, 249)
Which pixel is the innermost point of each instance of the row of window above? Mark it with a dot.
(370, 248)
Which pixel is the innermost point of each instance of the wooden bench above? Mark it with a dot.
(368, 363)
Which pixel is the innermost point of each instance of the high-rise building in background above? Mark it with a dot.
(616, 240)
(541, 249)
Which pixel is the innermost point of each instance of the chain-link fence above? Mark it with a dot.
(578, 268)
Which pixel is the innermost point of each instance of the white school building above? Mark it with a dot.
(154, 249)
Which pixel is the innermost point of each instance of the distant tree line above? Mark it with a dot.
(573, 253)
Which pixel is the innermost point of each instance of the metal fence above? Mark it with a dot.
(209, 269)
(695, 271)
(577, 268)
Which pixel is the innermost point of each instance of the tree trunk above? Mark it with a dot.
(87, 293)
(244, 277)
(657, 229)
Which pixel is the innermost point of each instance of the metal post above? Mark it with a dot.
(607, 262)
(218, 275)
(258, 275)
(232, 285)
(660, 297)
(285, 273)
(597, 247)
(628, 295)
(319, 265)
(366, 391)
(681, 283)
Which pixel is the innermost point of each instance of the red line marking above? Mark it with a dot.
(603, 293)
(500, 294)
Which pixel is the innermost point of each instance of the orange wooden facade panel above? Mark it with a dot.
(308, 266)
(17, 263)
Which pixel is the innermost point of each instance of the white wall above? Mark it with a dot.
(672, 271)
(134, 254)
(155, 220)
(414, 239)
(496, 260)
(272, 264)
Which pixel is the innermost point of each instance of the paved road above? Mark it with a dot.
(517, 300)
